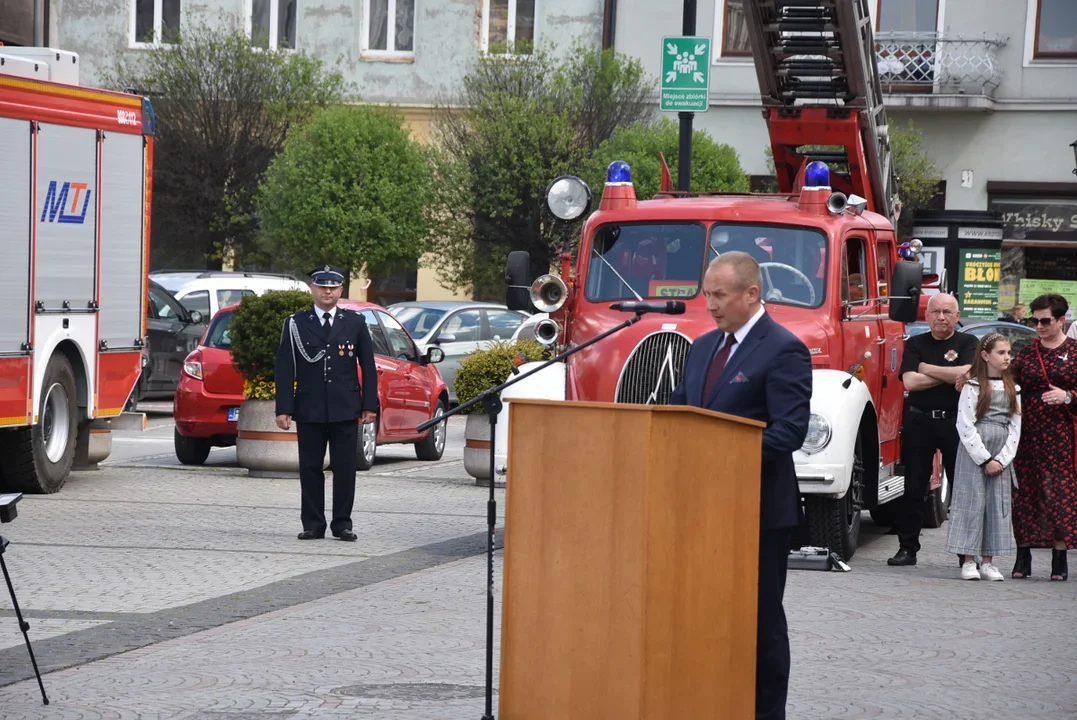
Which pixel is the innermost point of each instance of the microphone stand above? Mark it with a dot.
(491, 403)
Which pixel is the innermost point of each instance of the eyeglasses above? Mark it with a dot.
(947, 313)
(1043, 322)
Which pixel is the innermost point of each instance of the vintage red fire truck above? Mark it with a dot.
(834, 271)
(76, 168)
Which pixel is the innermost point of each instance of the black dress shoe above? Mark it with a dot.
(347, 535)
(903, 557)
(311, 535)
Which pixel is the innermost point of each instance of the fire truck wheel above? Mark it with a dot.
(191, 450)
(835, 524)
(432, 447)
(37, 459)
(937, 503)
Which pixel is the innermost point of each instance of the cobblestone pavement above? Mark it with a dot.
(157, 593)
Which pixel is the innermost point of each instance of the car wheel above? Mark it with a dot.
(367, 447)
(432, 447)
(191, 450)
(835, 524)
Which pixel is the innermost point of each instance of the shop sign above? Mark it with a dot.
(975, 233)
(932, 232)
(978, 279)
(1037, 219)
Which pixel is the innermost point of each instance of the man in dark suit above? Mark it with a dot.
(321, 353)
(752, 367)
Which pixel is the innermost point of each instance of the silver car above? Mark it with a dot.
(458, 327)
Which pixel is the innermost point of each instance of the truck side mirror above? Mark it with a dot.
(517, 271)
(905, 286)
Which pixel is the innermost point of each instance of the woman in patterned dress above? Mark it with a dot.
(1045, 500)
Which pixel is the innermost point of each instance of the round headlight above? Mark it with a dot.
(818, 434)
(568, 197)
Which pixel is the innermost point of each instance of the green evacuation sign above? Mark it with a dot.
(686, 74)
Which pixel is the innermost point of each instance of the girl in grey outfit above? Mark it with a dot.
(989, 425)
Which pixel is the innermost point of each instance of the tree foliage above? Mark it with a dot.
(715, 166)
(224, 110)
(256, 331)
(512, 128)
(351, 188)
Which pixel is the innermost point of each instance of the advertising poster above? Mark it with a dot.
(978, 278)
(1032, 288)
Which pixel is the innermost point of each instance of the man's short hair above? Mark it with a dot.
(745, 268)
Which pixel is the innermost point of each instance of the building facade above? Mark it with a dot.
(992, 85)
(411, 53)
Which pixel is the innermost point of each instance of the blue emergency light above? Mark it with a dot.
(618, 173)
(817, 174)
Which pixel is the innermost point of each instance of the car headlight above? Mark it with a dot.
(818, 434)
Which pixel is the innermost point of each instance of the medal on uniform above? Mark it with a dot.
(351, 347)
(341, 350)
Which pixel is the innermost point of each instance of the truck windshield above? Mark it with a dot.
(792, 259)
(645, 260)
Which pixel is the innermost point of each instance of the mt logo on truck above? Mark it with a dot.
(53, 208)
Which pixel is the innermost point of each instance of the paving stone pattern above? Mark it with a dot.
(393, 626)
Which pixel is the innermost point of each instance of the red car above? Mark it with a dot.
(410, 391)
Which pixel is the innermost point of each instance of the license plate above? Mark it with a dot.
(233, 414)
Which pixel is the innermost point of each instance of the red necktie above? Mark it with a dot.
(718, 365)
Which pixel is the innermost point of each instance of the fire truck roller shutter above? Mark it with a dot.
(66, 216)
(122, 179)
(15, 224)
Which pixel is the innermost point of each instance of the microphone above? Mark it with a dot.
(669, 307)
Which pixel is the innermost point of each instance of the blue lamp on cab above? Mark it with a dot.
(618, 173)
(817, 174)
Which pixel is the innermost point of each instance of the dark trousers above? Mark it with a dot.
(342, 438)
(772, 634)
(921, 436)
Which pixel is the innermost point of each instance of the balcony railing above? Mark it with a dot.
(937, 63)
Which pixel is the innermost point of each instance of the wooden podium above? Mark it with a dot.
(631, 563)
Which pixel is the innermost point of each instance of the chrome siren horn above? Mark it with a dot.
(549, 293)
(836, 202)
(547, 331)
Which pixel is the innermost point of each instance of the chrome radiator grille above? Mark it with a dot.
(653, 369)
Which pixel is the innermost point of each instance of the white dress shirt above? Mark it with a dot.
(743, 332)
(321, 315)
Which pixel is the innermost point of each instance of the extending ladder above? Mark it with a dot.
(821, 54)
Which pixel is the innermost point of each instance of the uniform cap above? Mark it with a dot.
(327, 276)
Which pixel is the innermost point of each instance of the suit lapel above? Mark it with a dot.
(751, 342)
(314, 323)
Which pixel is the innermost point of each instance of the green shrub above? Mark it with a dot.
(483, 369)
(256, 331)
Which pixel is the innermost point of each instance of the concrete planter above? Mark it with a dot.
(263, 448)
(477, 449)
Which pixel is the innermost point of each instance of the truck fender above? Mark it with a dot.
(842, 408)
(50, 336)
(547, 384)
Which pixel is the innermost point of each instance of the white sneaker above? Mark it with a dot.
(990, 572)
(969, 571)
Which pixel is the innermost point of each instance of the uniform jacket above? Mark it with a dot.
(768, 378)
(327, 390)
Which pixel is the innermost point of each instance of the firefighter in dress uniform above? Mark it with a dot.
(322, 349)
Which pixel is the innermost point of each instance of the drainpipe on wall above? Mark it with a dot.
(39, 23)
(609, 23)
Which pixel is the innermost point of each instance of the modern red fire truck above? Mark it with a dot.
(75, 168)
(834, 271)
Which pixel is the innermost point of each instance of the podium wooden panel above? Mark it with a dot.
(631, 563)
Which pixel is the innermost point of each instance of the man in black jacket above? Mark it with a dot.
(321, 352)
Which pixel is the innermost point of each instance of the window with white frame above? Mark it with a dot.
(508, 24)
(390, 27)
(154, 22)
(271, 23)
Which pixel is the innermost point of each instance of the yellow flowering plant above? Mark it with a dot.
(256, 331)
